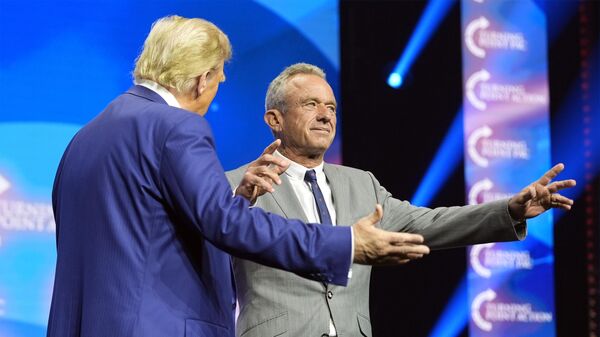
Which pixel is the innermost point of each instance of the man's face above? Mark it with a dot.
(308, 124)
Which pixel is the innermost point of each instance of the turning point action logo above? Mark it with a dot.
(482, 190)
(483, 259)
(494, 148)
(489, 39)
(497, 312)
(496, 92)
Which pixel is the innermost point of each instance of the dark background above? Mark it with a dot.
(395, 134)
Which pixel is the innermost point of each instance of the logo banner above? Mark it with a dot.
(507, 146)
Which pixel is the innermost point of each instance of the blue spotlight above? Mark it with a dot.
(435, 11)
(395, 80)
(449, 154)
(455, 316)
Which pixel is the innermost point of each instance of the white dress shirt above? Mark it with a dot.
(295, 174)
(162, 91)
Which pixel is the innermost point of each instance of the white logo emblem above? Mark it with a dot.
(476, 261)
(472, 27)
(486, 296)
(474, 79)
(478, 187)
(482, 132)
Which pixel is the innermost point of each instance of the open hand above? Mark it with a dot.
(378, 247)
(540, 196)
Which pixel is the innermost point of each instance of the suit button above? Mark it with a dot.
(329, 295)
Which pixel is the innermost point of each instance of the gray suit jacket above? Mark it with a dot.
(280, 303)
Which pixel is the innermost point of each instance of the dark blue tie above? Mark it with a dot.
(311, 178)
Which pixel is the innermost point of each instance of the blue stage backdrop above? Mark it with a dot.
(61, 62)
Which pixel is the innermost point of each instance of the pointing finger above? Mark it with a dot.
(272, 161)
(272, 147)
(551, 174)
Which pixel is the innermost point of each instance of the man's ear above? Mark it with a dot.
(202, 83)
(273, 118)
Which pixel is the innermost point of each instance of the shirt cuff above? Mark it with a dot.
(520, 227)
(351, 252)
(513, 221)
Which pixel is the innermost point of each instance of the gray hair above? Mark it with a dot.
(277, 88)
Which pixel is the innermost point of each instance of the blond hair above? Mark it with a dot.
(277, 88)
(178, 50)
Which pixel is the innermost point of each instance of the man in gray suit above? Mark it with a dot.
(301, 112)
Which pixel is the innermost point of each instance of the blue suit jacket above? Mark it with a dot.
(144, 214)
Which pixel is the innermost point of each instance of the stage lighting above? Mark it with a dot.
(447, 158)
(433, 15)
(395, 80)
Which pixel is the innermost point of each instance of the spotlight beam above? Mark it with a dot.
(448, 156)
(433, 15)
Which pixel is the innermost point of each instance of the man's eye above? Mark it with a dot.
(310, 105)
(331, 108)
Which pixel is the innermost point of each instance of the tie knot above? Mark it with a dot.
(310, 176)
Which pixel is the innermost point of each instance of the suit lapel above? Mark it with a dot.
(339, 191)
(287, 201)
(341, 200)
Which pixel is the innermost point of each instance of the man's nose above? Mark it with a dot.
(324, 113)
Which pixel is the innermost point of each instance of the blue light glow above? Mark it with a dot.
(434, 13)
(449, 154)
(395, 80)
(454, 318)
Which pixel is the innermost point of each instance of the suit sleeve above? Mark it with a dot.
(196, 189)
(448, 227)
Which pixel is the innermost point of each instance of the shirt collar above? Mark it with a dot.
(297, 171)
(159, 89)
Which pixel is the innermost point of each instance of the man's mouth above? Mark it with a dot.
(323, 130)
